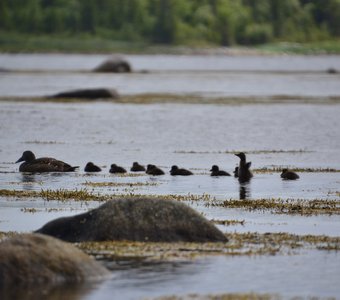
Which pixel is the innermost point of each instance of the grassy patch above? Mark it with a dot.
(239, 244)
(283, 206)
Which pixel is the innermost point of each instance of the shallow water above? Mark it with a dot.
(180, 74)
(193, 136)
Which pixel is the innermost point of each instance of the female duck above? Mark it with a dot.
(244, 173)
(43, 164)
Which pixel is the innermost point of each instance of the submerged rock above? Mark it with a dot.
(35, 258)
(114, 65)
(136, 219)
(88, 94)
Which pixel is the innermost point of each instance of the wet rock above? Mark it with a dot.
(30, 259)
(99, 93)
(114, 65)
(332, 71)
(136, 219)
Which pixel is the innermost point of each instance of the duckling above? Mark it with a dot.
(117, 169)
(43, 164)
(136, 167)
(215, 171)
(289, 175)
(153, 170)
(181, 172)
(236, 172)
(91, 167)
(244, 173)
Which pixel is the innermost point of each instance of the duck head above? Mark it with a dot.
(174, 168)
(214, 168)
(241, 155)
(26, 156)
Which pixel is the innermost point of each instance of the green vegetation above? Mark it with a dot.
(108, 25)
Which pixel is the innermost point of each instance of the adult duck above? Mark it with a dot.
(244, 173)
(44, 164)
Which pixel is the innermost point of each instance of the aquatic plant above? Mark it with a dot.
(283, 206)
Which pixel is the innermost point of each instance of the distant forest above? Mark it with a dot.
(218, 22)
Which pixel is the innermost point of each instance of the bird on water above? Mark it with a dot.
(153, 170)
(289, 175)
(116, 169)
(44, 164)
(179, 171)
(215, 171)
(136, 167)
(91, 167)
(244, 174)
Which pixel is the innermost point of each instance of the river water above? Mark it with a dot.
(195, 136)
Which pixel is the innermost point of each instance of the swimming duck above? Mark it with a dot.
(117, 169)
(43, 164)
(181, 172)
(215, 171)
(136, 167)
(244, 173)
(153, 170)
(91, 167)
(289, 175)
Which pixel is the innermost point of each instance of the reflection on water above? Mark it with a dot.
(245, 191)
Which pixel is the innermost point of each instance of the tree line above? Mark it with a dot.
(219, 22)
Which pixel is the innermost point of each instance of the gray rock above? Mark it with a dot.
(136, 219)
(98, 93)
(31, 259)
(114, 65)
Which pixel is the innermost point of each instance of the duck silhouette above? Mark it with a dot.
(215, 171)
(236, 172)
(44, 164)
(91, 167)
(136, 167)
(244, 173)
(116, 169)
(289, 175)
(175, 171)
(153, 170)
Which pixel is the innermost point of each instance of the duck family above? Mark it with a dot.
(31, 164)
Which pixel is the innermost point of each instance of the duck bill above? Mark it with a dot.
(19, 160)
(237, 154)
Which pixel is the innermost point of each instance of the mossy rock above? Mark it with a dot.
(136, 219)
(99, 93)
(114, 65)
(30, 259)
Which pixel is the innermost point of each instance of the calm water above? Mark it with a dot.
(192, 136)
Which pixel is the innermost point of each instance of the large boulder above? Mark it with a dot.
(96, 93)
(114, 65)
(136, 219)
(31, 259)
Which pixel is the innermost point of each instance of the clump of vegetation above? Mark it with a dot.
(301, 170)
(283, 206)
(239, 244)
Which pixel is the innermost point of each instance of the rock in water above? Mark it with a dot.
(114, 65)
(40, 259)
(99, 93)
(136, 219)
